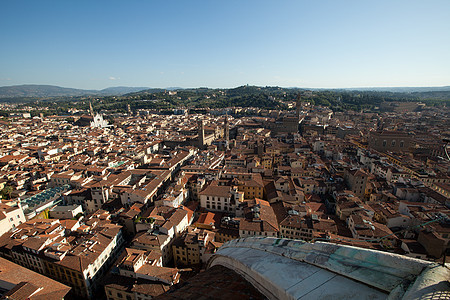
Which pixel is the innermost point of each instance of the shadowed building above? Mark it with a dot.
(203, 139)
(288, 123)
(393, 141)
(216, 283)
(17, 282)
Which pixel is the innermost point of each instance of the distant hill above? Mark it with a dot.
(147, 91)
(34, 90)
(255, 90)
(43, 91)
(403, 89)
(121, 90)
(29, 92)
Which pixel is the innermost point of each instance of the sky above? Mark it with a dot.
(222, 44)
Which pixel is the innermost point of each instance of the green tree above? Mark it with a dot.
(6, 192)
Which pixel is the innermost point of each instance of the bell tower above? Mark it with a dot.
(227, 133)
(201, 133)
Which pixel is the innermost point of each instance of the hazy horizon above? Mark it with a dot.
(230, 87)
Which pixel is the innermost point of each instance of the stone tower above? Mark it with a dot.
(298, 106)
(227, 133)
(91, 110)
(201, 133)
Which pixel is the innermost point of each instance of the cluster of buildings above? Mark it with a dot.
(127, 208)
(72, 253)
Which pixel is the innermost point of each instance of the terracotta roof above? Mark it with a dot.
(28, 280)
(217, 191)
(169, 275)
(260, 226)
(209, 218)
(191, 207)
(139, 285)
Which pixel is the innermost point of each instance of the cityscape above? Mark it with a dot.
(131, 204)
(200, 149)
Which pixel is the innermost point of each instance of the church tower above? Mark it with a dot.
(201, 133)
(227, 133)
(298, 107)
(91, 110)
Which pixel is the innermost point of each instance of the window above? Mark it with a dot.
(384, 143)
(119, 295)
(402, 144)
(393, 143)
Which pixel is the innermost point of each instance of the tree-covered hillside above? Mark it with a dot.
(243, 96)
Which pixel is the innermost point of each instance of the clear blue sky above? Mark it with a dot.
(336, 43)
